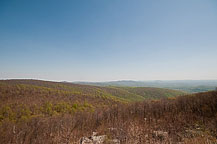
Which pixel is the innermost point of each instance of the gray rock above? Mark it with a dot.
(94, 139)
(160, 135)
(85, 140)
(115, 141)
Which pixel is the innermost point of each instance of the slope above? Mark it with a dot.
(77, 91)
(153, 93)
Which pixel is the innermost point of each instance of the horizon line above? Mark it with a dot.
(118, 80)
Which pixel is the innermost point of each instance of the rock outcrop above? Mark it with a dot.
(94, 139)
(97, 139)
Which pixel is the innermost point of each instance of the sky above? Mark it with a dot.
(106, 40)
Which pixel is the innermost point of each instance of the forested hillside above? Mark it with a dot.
(31, 88)
(190, 86)
(33, 111)
(41, 98)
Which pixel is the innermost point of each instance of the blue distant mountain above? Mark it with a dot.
(190, 86)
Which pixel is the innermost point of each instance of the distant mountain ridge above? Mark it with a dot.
(191, 86)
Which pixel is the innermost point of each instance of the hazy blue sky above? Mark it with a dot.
(101, 40)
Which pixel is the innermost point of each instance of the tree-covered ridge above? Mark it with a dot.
(190, 86)
(24, 99)
(153, 93)
(115, 93)
(59, 113)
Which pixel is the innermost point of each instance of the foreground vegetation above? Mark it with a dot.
(47, 112)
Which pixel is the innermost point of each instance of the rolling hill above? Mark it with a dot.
(15, 88)
(34, 111)
(190, 86)
(41, 98)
